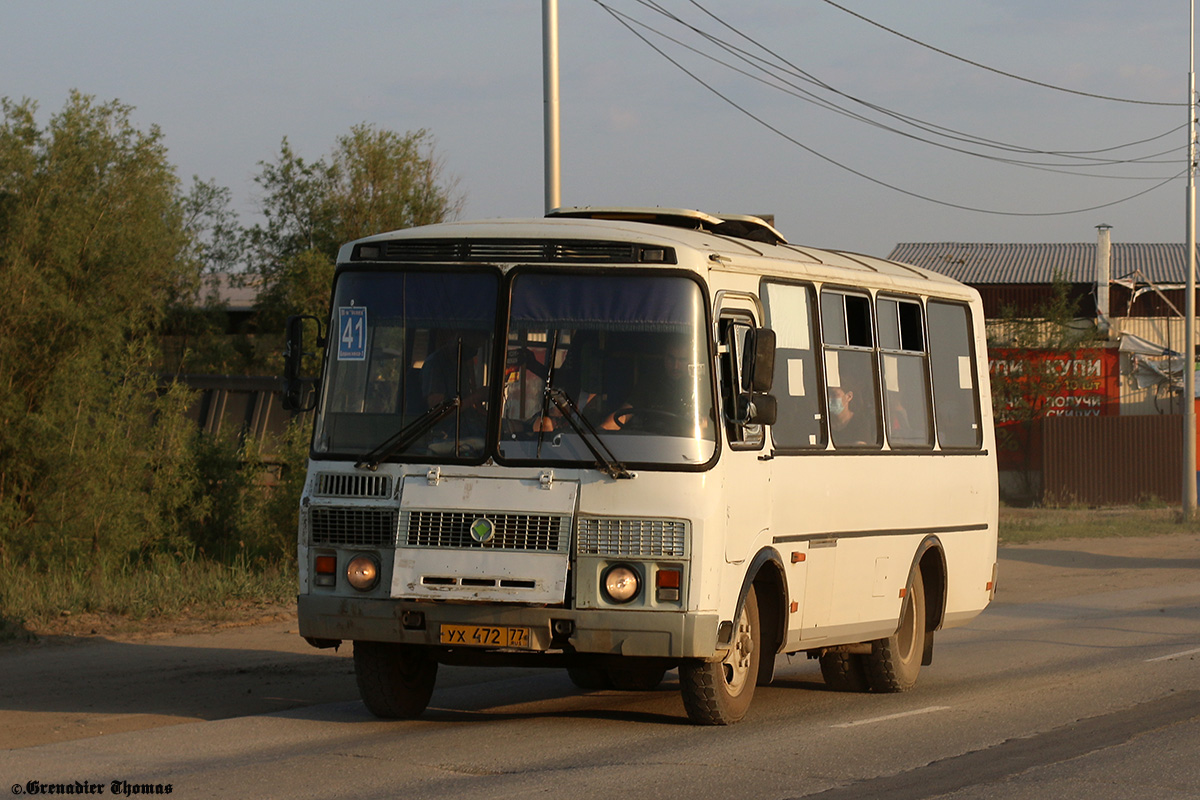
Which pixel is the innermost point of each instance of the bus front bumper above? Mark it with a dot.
(661, 634)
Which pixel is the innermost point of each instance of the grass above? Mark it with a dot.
(164, 594)
(1023, 525)
(173, 594)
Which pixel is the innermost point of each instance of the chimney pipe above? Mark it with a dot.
(1103, 275)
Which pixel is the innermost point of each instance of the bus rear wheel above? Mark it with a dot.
(845, 672)
(895, 662)
(394, 680)
(719, 692)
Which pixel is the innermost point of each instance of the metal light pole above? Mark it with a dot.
(550, 101)
(1189, 365)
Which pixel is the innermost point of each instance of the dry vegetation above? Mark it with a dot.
(1021, 525)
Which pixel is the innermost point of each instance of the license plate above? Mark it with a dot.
(486, 636)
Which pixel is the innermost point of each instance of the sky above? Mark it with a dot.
(227, 81)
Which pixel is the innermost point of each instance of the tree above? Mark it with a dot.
(91, 238)
(374, 180)
(196, 326)
(383, 181)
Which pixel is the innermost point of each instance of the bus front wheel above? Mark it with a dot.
(719, 692)
(394, 680)
(895, 662)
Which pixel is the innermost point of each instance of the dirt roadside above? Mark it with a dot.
(72, 687)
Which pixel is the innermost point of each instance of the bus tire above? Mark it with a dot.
(590, 679)
(395, 681)
(635, 678)
(895, 662)
(845, 672)
(719, 692)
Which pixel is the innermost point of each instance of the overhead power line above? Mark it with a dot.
(622, 20)
(1083, 158)
(1001, 72)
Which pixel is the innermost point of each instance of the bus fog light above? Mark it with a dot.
(667, 583)
(325, 571)
(620, 583)
(362, 572)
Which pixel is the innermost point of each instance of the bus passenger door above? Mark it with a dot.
(746, 475)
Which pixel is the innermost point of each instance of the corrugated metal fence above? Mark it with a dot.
(1112, 460)
(250, 406)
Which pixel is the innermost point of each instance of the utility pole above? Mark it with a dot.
(550, 101)
(1189, 364)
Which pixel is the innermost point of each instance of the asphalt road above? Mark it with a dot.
(1081, 681)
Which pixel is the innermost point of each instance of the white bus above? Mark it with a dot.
(624, 441)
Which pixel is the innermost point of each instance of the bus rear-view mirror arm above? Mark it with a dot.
(296, 385)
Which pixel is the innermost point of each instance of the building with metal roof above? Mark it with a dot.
(1133, 294)
(1075, 262)
(1143, 279)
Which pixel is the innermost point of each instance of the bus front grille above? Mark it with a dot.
(529, 532)
(354, 527)
(340, 484)
(625, 536)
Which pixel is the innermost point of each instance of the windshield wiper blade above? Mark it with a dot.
(409, 434)
(606, 461)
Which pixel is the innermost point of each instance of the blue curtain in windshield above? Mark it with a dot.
(607, 302)
(423, 299)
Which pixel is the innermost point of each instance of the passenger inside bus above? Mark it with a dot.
(850, 425)
(438, 381)
(663, 397)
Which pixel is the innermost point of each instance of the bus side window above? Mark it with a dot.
(737, 337)
(902, 364)
(952, 362)
(850, 373)
(797, 387)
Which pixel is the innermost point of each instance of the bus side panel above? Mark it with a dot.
(858, 522)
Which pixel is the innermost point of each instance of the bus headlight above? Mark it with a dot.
(620, 583)
(362, 572)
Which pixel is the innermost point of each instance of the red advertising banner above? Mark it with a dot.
(1028, 385)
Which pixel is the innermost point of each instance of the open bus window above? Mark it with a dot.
(737, 340)
(850, 376)
(903, 367)
(630, 354)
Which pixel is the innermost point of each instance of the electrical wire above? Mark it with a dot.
(802, 94)
(927, 127)
(812, 151)
(1001, 72)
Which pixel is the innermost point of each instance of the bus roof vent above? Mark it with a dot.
(494, 251)
(414, 250)
(738, 226)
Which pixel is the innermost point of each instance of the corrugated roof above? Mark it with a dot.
(984, 263)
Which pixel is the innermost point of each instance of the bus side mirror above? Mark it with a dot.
(298, 391)
(763, 374)
(764, 409)
(756, 409)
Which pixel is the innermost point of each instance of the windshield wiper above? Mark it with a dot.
(409, 434)
(606, 462)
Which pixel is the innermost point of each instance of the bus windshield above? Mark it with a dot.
(594, 363)
(403, 343)
(618, 361)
